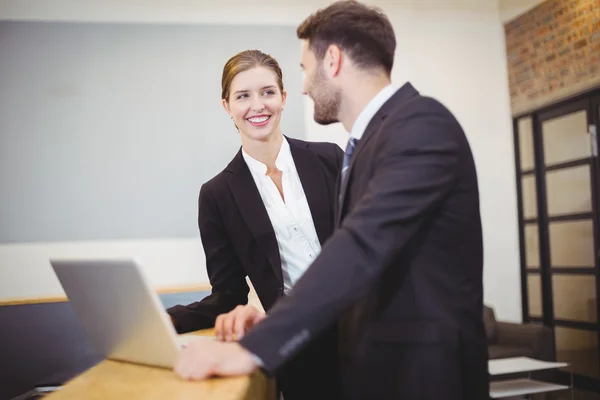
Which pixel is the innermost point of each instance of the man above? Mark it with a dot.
(402, 274)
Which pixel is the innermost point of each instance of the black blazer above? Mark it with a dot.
(238, 237)
(402, 274)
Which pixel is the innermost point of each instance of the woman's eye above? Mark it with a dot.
(242, 96)
(269, 92)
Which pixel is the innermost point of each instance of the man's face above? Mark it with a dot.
(319, 87)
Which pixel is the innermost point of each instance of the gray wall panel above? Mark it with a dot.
(107, 131)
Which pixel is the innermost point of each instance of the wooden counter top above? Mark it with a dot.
(118, 380)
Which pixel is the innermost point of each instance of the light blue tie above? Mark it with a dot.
(352, 142)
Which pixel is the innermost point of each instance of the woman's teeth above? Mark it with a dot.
(258, 120)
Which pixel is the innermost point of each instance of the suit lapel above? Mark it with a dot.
(313, 182)
(371, 128)
(407, 91)
(254, 213)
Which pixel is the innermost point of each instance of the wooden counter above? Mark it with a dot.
(118, 380)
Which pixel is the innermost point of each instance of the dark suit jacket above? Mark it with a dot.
(238, 237)
(403, 272)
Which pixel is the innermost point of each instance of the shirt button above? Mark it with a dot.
(296, 229)
(311, 255)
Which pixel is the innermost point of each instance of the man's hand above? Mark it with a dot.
(234, 324)
(201, 359)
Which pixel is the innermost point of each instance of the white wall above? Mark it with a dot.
(452, 50)
(25, 272)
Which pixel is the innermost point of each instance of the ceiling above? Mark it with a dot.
(99, 9)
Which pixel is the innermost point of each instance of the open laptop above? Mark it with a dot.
(120, 312)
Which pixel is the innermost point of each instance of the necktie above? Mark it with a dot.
(352, 142)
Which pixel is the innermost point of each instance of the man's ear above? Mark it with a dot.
(332, 62)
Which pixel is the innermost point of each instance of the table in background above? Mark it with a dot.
(524, 386)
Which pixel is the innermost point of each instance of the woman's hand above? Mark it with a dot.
(235, 324)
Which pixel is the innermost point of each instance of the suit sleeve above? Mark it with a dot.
(227, 277)
(415, 171)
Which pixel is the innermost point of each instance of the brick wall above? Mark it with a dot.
(553, 52)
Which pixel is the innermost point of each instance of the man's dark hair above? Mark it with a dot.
(364, 33)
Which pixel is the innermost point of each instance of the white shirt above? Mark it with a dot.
(292, 221)
(365, 116)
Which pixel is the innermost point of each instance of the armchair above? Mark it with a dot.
(507, 339)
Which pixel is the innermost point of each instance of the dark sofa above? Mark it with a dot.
(507, 339)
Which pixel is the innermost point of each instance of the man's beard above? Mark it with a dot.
(326, 102)
(326, 109)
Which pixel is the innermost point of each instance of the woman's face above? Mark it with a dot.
(255, 103)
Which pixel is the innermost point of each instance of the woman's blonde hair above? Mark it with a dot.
(244, 61)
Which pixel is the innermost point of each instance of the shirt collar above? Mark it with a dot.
(358, 129)
(282, 161)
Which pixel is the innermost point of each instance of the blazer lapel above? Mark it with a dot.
(371, 128)
(407, 91)
(313, 181)
(253, 211)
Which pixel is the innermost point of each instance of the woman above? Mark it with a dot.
(266, 216)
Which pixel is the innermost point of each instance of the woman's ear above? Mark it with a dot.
(226, 107)
(283, 97)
